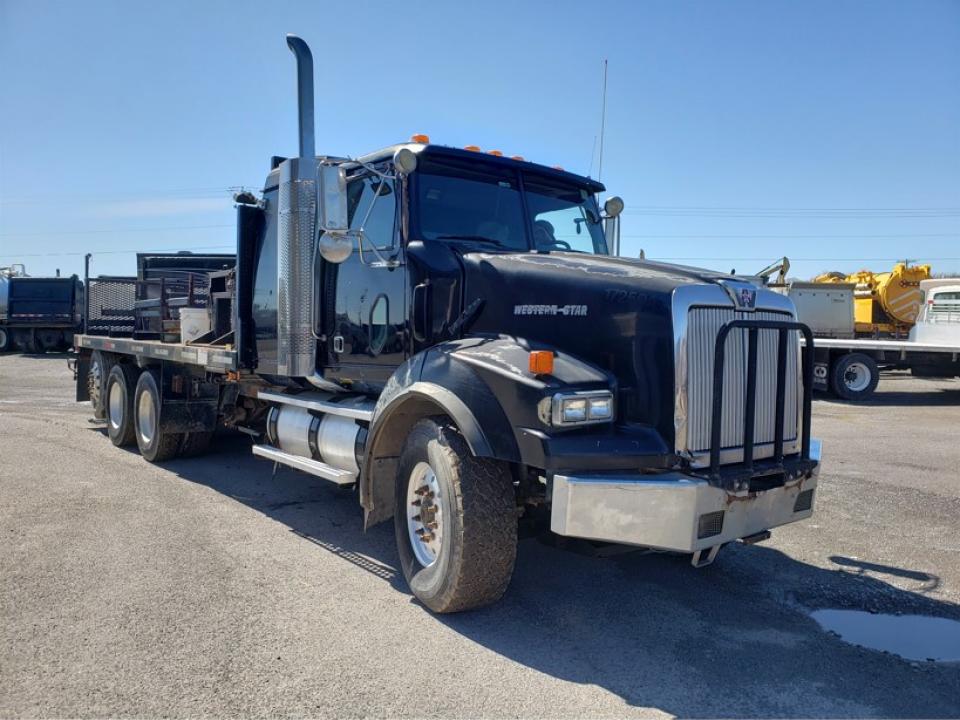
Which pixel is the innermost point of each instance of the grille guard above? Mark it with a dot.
(737, 477)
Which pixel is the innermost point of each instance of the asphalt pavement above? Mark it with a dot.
(209, 587)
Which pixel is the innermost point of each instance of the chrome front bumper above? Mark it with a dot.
(665, 511)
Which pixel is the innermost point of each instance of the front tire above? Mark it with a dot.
(854, 376)
(121, 385)
(4, 340)
(155, 444)
(465, 524)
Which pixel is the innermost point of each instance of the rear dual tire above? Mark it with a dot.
(155, 444)
(120, 387)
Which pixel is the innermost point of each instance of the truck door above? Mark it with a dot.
(367, 341)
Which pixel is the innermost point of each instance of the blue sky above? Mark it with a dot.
(737, 132)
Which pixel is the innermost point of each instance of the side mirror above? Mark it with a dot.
(333, 199)
(334, 242)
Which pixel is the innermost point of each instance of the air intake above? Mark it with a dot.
(710, 524)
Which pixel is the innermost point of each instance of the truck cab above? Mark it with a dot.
(939, 320)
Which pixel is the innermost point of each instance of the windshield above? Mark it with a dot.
(483, 203)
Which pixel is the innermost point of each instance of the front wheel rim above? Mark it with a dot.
(424, 514)
(146, 418)
(857, 377)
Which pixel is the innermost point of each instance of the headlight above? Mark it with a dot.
(582, 408)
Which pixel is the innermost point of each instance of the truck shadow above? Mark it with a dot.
(732, 640)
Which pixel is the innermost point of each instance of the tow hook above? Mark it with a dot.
(702, 558)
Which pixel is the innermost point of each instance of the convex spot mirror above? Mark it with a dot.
(404, 161)
(613, 206)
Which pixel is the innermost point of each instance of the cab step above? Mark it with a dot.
(307, 465)
(356, 407)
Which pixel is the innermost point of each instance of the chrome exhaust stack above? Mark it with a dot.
(297, 233)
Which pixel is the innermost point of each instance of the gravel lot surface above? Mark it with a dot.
(206, 587)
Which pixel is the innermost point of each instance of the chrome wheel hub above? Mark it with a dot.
(146, 417)
(115, 406)
(424, 514)
(857, 377)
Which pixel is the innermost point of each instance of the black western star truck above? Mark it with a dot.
(449, 332)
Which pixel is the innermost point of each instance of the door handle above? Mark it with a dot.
(421, 312)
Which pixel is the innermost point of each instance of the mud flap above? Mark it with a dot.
(193, 416)
(81, 368)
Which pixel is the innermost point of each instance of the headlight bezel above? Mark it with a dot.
(590, 398)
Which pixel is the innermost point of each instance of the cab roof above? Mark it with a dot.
(439, 151)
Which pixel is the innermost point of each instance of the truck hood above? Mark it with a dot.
(612, 312)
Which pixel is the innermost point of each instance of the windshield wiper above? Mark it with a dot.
(475, 238)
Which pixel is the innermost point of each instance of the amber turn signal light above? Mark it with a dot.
(541, 362)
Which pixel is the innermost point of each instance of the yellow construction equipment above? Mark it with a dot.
(886, 303)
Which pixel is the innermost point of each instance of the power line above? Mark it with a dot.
(124, 252)
(809, 259)
(813, 236)
(114, 230)
(778, 209)
(102, 196)
(793, 213)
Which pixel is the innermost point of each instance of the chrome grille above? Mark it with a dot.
(703, 325)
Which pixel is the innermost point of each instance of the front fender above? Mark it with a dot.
(484, 386)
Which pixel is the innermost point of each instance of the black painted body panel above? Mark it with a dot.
(264, 306)
(610, 312)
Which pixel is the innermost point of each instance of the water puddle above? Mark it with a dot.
(914, 637)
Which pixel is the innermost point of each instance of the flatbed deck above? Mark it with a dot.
(214, 358)
(899, 347)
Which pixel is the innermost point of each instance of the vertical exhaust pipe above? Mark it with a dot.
(296, 234)
(304, 57)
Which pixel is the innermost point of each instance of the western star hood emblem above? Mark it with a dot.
(744, 295)
(565, 310)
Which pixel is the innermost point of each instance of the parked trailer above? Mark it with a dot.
(445, 330)
(848, 366)
(38, 313)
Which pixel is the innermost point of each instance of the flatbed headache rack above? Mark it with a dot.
(131, 316)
